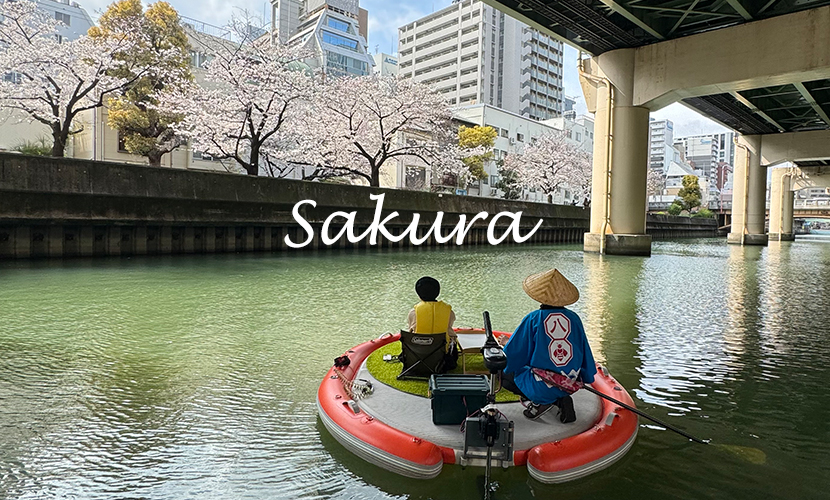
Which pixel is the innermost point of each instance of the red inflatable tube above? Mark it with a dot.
(597, 448)
(371, 439)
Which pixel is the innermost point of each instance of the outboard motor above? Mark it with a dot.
(494, 357)
(494, 430)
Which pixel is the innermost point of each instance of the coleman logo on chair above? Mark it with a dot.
(422, 340)
(558, 327)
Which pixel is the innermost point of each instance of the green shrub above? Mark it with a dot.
(675, 208)
(40, 147)
(704, 212)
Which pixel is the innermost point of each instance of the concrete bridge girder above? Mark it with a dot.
(794, 147)
(744, 57)
(760, 54)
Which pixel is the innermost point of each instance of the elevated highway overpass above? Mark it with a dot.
(761, 68)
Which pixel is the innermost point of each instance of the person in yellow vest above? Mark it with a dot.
(431, 315)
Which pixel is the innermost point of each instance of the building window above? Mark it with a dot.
(520, 137)
(494, 179)
(416, 177)
(197, 59)
(504, 133)
(64, 18)
(578, 136)
(338, 25)
(13, 78)
(199, 155)
(342, 65)
(122, 143)
(339, 41)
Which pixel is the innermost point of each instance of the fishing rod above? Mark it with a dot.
(645, 415)
(748, 453)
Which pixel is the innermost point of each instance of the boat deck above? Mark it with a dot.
(413, 415)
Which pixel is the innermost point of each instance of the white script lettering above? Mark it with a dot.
(303, 224)
(378, 225)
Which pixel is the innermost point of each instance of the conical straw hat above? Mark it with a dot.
(551, 288)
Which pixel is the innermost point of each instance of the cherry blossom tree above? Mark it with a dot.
(248, 106)
(52, 81)
(361, 123)
(655, 182)
(550, 163)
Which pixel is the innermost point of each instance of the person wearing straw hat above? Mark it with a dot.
(551, 338)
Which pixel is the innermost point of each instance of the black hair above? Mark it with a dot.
(427, 288)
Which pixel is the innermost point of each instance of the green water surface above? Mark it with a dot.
(196, 377)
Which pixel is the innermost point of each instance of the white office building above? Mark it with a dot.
(75, 19)
(702, 152)
(578, 129)
(333, 30)
(513, 132)
(475, 54)
(385, 64)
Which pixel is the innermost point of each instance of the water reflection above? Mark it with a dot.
(611, 289)
(197, 377)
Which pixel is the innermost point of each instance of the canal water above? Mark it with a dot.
(195, 377)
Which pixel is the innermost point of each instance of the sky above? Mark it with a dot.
(385, 17)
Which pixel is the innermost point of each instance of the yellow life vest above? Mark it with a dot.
(432, 317)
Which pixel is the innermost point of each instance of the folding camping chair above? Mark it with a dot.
(422, 353)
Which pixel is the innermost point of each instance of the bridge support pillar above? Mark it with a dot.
(781, 205)
(618, 186)
(749, 194)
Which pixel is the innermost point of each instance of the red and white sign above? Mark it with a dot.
(558, 327)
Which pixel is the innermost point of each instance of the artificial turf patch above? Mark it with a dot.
(387, 372)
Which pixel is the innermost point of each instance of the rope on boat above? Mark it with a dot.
(356, 389)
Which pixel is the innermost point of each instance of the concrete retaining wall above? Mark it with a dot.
(52, 207)
(670, 226)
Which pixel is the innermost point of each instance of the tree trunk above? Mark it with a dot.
(375, 180)
(154, 157)
(58, 141)
(253, 162)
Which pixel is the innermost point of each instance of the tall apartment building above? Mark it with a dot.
(726, 153)
(661, 145)
(474, 54)
(703, 152)
(334, 31)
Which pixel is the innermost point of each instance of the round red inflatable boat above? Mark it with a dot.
(393, 430)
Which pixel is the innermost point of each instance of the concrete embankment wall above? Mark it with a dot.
(69, 208)
(670, 226)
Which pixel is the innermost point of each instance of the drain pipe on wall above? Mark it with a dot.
(609, 147)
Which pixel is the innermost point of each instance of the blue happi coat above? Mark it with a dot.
(551, 338)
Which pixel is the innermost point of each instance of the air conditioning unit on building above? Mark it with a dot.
(512, 141)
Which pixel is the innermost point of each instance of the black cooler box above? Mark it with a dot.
(456, 396)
